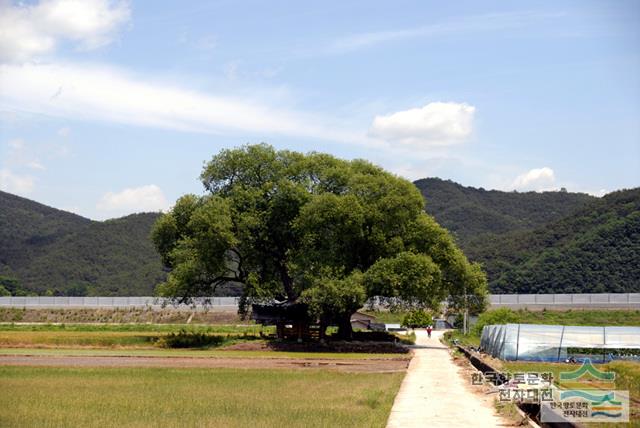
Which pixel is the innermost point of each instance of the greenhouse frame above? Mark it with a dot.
(553, 343)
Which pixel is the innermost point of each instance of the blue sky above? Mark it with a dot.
(111, 107)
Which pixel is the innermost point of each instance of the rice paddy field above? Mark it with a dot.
(119, 374)
(173, 397)
(116, 335)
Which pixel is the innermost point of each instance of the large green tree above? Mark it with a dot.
(312, 229)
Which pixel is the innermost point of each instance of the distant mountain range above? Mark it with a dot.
(550, 242)
(56, 252)
(528, 243)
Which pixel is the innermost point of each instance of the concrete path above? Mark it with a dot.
(434, 393)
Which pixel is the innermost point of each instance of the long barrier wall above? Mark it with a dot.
(514, 301)
(569, 301)
(230, 303)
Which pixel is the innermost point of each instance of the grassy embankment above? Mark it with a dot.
(193, 397)
(118, 316)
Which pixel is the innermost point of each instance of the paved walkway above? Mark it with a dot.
(434, 393)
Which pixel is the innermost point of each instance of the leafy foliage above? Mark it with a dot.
(11, 287)
(417, 319)
(496, 316)
(309, 228)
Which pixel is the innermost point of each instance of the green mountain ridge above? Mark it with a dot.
(527, 242)
(468, 211)
(549, 242)
(49, 250)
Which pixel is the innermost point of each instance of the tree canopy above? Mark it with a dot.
(313, 229)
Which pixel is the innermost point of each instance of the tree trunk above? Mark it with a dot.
(323, 332)
(345, 332)
(287, 282)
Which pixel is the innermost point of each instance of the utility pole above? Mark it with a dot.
(465, 320)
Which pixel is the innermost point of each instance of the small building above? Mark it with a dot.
(361, 321)
(291, 319)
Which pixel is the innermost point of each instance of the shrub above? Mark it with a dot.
(374, 336)
(186, 339)
(496, 316)
(417, 319)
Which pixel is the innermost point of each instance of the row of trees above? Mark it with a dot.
(311, 229)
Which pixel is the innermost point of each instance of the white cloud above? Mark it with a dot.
(110, 94)
(34, 164)
(537, 179)
(207, 43)
(15, 183)
(457, 26)
(135, 199)
(64, 132)
(16, 144)
(22, 155)
(28, 31)
(435, 124)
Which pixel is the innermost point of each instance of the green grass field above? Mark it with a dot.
(580, 317)
(65, 397)
(388, 317)
(132, 327)
(196, 353)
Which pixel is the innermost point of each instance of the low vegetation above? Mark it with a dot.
(194, 397)
(199, 353)
(117, 315)
(417, 319)
(388, 317)
(126, 335)
(151, 336)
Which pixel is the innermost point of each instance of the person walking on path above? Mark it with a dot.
(429, 331)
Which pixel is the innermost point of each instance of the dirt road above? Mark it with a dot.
(434, 393)
(346, 365)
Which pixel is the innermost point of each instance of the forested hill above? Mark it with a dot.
(468, 212)
(528, 243)
(550, 242)
(43, 249)
(595, 250)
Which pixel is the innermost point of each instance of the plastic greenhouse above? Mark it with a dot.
(531, 342)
